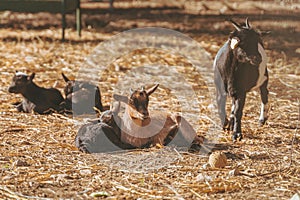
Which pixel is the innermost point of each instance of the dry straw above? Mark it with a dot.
(37, 154)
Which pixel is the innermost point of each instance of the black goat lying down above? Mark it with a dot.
(103, 135)
(81, 97)
(240, 66)
(35, 98)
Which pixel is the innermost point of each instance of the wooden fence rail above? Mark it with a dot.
(52, 6)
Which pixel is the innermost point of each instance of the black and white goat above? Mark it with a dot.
(240, 66)
(37, 99)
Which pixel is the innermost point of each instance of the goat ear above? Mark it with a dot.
(121, 98)
(131, 91)
(65, 78)
(115, 107)
(234, 42)
(236, 25)
(152, 89)
(31, 77)
(247, 23)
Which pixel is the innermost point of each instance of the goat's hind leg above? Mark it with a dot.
(264, 105)
(221, 96)
(221, 102)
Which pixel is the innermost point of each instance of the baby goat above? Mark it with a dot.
(240, 66)
(81, 97)
(37, 99)
(142, 129)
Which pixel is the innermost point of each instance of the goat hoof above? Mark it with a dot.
(237, 136)
(194, 148)
(226, 124)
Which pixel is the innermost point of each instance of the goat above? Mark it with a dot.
(239, 67)
(81, 97)
(142, 129)
(103, 135)
(38, 99)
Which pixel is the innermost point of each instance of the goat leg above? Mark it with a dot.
(19, 106)
(238, 112)
(221, 95)
(264, 105)
(231, 118)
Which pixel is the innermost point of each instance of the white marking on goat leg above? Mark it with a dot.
(262, 67)
(264, 112)
(232, 111)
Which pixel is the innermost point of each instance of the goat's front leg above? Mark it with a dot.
(19, 106)
(264, 105)
(239, 103)
(26, 106)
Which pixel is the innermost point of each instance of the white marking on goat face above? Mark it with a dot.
(21, 74)
(234, 43)
(261, 68)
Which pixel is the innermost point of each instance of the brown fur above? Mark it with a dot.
(143, 129)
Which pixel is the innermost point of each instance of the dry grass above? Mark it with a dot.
(37, 153)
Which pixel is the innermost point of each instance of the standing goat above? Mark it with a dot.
(142, 129)
(240, 66)
(37, 99)
(81, 96)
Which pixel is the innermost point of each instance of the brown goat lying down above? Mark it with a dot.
(143, 129)
(137, 128)
(35, 98)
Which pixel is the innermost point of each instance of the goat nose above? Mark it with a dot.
(145, 113)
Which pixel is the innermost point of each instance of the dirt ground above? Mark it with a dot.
(38, 158)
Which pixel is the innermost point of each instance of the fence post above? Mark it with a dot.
(63, 18)
(78, 18)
